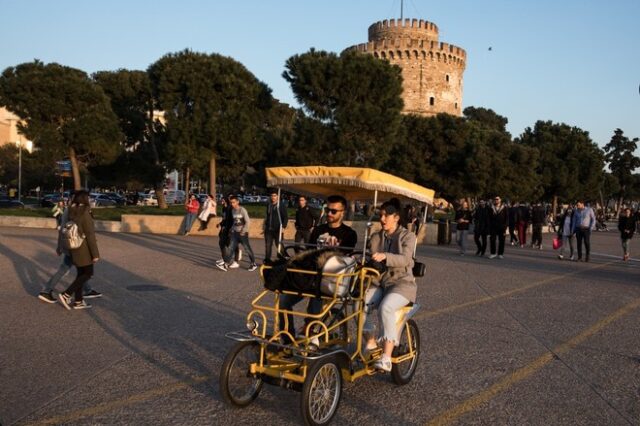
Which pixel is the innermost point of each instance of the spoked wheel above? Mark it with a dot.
(237, 385)
(321, 392)
(409, 339)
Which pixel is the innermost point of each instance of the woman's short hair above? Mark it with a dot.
(391, 207)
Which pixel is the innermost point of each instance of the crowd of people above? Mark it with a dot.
(575, 222)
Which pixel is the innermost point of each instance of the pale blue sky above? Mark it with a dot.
(572, 61)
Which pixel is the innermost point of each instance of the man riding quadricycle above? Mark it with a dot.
(336, 340)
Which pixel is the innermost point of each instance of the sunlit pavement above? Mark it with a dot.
(527, 339)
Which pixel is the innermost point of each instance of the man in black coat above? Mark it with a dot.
(306, 219)
(481, 227)
(498, 223)
(538, 217)
(275, 222)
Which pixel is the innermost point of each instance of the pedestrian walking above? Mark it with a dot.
(208, 211)
(481, 227)
(46, 295)
(627, 227)
(462, 219)
(85, 255)
(538, 216)
(57, 210)
(523, 217)
(191, 206)
(275, 222)
(584, 224)
(566, 232)
(498, 223)
(306, 220)
(513, 223)
(239, 235)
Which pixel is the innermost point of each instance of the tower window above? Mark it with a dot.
(432, 101)
(456, 105)
(447, 78)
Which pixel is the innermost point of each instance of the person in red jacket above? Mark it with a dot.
(192, 206)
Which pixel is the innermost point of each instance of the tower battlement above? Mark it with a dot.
(409, 28)
(431, 70)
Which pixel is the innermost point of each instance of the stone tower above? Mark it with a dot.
(431, 70)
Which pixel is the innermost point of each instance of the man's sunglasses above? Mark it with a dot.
(332, 211)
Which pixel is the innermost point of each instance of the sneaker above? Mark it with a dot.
(65, 300)
(220, 262)
(500, 256)
(560, 257)
(540, 247)
(383, 364)
(572, 258)
(93, 294)
(493, 256)
(222, 266)
(234, 265)
(81, 305)
(46, 297)
(253, 267)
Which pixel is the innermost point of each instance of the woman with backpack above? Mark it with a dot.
(79, 231)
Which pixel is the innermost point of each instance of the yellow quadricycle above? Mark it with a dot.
(329, 348)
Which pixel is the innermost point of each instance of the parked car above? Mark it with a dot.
(7, 203)
(175, 196)
(100, 200)
(148, 200)
(50, 200)
(119, 199)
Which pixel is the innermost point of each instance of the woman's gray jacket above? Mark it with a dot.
(399, 277)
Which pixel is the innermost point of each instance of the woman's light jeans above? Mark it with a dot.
(461, 239)
(567, 239)
(388, 305)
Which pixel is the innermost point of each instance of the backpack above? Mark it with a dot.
(71, 236)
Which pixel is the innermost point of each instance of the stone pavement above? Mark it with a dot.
(524, 340)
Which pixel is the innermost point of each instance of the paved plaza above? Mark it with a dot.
(525, 340)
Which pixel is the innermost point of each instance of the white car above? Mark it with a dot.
(148, 200)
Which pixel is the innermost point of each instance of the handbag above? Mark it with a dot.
(418, 269)
(557, 243)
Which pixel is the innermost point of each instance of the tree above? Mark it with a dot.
(214, 109)
(132, 100)
(464, 157)
(571, 164)
(622, 162)
(63, 112)
(356, 97)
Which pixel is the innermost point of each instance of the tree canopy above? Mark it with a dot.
(214, 108)
(63, 112)
(353, 102)
(571, 164)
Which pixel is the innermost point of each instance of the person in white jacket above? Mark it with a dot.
(208, 211)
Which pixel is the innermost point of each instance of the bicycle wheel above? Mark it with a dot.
(403, 372)
(237, 385)
(321, 392)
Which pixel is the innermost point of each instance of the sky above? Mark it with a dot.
(570, 61)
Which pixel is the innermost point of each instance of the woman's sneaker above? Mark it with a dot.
(93, 294)
(46, 296)
(234, 265)
(81, 305)
(65, 300)
(383, 364)
(253, 267)
(222, 266)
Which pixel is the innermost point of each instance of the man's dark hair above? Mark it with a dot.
(233, 197)
(337, 199)
(271, 191)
